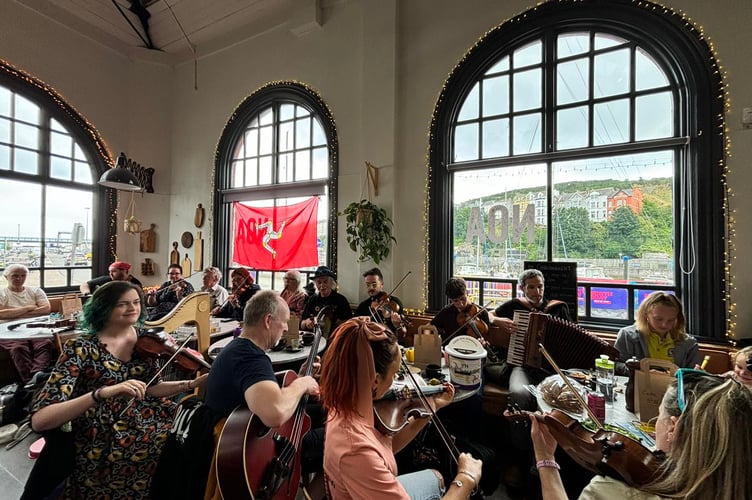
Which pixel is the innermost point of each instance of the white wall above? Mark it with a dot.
(379, 66)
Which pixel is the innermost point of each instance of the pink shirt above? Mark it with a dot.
(359, 461)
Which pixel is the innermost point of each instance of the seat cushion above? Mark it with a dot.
(494, 398)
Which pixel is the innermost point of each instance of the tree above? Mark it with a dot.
(624, 236)
(572, 232)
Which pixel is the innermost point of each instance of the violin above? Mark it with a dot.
(392, 411)
(472, 322)
(387, 308)
(159, 344)
(602, 451)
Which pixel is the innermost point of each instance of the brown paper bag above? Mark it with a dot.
(651, 385)
(70, 305)
(427, 345)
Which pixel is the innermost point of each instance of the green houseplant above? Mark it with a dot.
(369, 230)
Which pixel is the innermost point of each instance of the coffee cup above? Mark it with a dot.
(307, 338)
(433, 371)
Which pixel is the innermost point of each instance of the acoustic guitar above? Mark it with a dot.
(258, 462)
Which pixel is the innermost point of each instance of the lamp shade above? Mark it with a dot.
(120, 177)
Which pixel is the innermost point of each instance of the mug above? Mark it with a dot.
(307, 338)
(433, 371)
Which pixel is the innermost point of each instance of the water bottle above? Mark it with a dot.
(604, 376)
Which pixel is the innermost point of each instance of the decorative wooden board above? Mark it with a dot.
(187, 239)
(198, 218)
(186, 266)
(198, 255)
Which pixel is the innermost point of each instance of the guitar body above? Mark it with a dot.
(258, 462)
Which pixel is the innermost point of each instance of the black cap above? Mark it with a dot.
(324, 271)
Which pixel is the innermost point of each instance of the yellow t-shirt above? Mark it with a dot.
(661, 348)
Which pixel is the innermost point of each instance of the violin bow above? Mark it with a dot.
(159, 372)
(446, 438)
(471, 318)
(576, 393)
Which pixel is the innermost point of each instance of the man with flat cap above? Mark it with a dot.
(326, 295)
(118, 271)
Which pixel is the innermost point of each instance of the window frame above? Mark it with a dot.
(682, 51)
(269, 95)
(104, 200)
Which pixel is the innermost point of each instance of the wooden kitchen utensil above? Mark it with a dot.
(198, 256)
(198, 218)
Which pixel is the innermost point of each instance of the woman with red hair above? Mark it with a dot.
(359, 366)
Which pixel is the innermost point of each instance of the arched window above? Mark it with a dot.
(279, 148)
(55, 216)
(585, 132)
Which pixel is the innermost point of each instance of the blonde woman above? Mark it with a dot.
(703, 426)
(659, 332)
(293, 293)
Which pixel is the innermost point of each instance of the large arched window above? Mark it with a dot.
(585, 132)
(55, 218)
(279, 148)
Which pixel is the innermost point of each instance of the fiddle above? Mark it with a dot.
(392, 411)
(383, 306)
(159, 344)
(469, 320)
(602, 451)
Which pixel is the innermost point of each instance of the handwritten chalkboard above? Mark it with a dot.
(560, 281)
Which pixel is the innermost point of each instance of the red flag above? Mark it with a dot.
(276, 238)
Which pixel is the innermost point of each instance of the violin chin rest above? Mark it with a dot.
(153, 330)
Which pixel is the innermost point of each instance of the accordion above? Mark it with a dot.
(570, 345)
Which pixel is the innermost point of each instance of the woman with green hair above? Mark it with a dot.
(99, 386)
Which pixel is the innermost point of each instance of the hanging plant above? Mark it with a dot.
(369, 230)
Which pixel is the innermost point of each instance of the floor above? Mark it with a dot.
(15, 466)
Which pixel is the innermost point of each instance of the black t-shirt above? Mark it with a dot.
(558, 309)
(238, 366)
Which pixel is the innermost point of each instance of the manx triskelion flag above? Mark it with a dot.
(276, 238)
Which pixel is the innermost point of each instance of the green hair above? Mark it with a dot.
(98, 309)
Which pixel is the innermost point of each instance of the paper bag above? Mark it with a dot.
(427, 345)
(651, 385)
(293, 330)
(70, 305)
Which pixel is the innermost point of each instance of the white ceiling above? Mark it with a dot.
(210, 25)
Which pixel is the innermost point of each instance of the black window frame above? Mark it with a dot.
(271, 94)
(678, 47)
(104, 200)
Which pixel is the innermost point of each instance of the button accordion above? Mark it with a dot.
(570, 345)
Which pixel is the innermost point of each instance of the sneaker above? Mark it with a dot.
(7, 433)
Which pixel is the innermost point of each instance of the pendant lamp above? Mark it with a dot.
(120, 177)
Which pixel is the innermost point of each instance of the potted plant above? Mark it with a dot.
(369, 230)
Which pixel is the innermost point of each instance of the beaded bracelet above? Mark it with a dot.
(547, 463)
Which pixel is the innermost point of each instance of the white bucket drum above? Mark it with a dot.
(466, 355)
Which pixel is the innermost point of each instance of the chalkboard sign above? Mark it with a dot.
(560, 282)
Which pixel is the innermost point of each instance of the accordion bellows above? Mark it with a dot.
(570, 345)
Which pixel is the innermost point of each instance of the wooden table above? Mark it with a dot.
(16, 329)
(279, 358)
(616, 412)
(226, 329)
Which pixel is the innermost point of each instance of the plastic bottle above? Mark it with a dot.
(604, 375)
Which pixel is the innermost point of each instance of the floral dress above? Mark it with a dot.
(116, 448)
